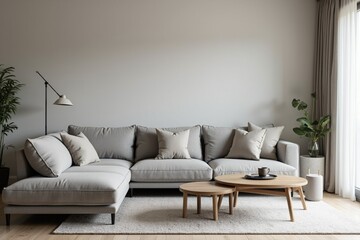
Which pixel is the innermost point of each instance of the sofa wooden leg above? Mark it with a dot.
(131, 192)
(7, 217)
(113, 218)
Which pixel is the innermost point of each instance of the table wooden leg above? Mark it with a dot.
(231, 207)
(236, 193)
(220, 201)
(185, 205)
(198, 204)
(289, 202)
(302, 197)
(215, 207)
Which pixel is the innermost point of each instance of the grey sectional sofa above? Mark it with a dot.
(127, 161)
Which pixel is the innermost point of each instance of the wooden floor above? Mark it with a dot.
(39, 227)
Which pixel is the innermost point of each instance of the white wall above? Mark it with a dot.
(159, 62)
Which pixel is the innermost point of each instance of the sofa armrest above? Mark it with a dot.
(23, 168)
(289, 153)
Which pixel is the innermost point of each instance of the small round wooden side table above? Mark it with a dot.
(199, 189)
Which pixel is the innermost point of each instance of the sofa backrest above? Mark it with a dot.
(136, 143)
(217, 141)
(23, 168)
(109, 142)
(147, 143)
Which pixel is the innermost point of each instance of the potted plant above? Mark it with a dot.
(9, 102)
(314, 129)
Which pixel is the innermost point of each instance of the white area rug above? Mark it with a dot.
(253, 215)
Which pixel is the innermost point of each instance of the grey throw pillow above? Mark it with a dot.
(217, 141)
(173, 145)
(247, 145)
(47, 155)
(272, 137)
(109, 142)
(80, 148)
(147, 142)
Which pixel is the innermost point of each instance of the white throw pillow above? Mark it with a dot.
(247, 145)
(272, 137)
(47, 155)
(173, 145)
(80, 148)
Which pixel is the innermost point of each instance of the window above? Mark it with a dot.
(347, 158)
(357, 184)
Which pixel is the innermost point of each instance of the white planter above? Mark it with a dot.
(315, 164)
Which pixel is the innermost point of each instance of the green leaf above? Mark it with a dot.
(325, 120)
(315, 123)
(326, 130)
(295, 102)
(304, 121)
(9, 102)
(299, 131)
(302, 106)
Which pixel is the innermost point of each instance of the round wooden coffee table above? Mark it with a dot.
(207, 189)
(267, 187)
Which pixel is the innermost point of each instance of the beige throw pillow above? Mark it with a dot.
(247, 144)
(173, 145)
(80, 148)
(47, 155)
(272, 137)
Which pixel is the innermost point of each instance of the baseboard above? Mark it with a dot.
(357, 194)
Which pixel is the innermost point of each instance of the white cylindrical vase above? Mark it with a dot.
(314, 189)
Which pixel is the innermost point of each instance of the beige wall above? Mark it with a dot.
(159, 62)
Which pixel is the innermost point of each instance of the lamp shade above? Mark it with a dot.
(62, 100)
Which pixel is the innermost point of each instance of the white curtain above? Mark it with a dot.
(348, 101)
(357, 183)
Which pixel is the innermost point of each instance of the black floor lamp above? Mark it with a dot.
(62, 100)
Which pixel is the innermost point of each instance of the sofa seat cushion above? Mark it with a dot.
(225, 166)
(106, 162)
(171, 170)
(94, 184)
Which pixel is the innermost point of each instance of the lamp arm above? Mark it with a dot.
(47, 83)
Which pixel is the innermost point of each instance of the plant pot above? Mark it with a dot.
(4, 177)
(313, 149)
(314, 165)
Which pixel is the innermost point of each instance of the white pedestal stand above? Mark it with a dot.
(314, 189)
